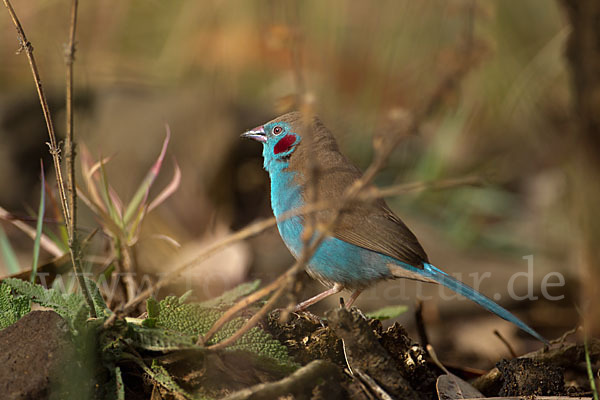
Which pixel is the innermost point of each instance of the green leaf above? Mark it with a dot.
(195, 319)
(388, 312)
(38, 230)
(8, 254)
(229, 297)
(97, 299)
(70, 306)
(155, 339)
(13, 307)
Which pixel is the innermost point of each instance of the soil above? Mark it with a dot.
(30, 351)
(343, 356)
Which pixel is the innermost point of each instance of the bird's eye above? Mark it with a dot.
(277, 130)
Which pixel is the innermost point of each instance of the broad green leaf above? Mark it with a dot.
(67, 305)
(159, 339)
(13, 307)
(97, 299)
(195, 319)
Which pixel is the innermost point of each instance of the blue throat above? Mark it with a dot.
(285, 196)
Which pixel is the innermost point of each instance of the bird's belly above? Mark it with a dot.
(337, 261)
(287, 196)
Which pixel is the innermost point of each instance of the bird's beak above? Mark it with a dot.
(257, 134)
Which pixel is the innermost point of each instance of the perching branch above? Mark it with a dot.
(26, 46)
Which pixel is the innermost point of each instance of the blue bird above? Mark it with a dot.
(369, 243)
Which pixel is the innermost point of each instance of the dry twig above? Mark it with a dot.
(26, 46)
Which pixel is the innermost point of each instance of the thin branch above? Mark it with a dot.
(126, 264)
(421, 324)
(26, 46)
(250, 323)
(305, 103)
(512, 351)
(295, 385)
(69, 144)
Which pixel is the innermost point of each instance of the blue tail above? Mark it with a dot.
(441, 277)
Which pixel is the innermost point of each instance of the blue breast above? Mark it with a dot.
(286, 196)
(335, 260)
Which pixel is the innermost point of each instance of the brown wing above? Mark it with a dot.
(377, 228)
(372, 226)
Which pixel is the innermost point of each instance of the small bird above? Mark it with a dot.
(369, 243)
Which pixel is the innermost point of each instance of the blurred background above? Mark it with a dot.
(213, 69)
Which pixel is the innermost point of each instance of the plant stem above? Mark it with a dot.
(69, 144)
(54, 150)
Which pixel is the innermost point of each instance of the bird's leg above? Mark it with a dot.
(353, 297)
(306, 303)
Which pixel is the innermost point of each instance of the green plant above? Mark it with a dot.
(172, 326)
(122, 223)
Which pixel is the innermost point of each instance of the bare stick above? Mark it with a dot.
(240, 305)
(305, 103)
(512, 352)
(251, 322)
(26, 46)
(69, 144)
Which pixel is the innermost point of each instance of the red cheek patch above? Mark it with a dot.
(284, 144)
